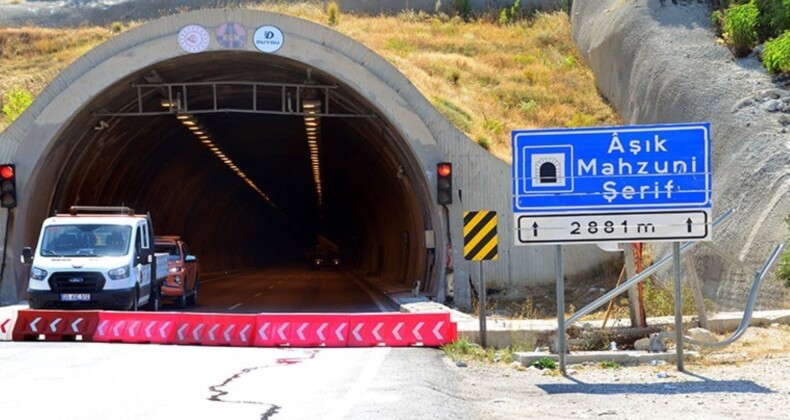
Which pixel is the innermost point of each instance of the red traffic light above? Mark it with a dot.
(7, 171)
(444, 169)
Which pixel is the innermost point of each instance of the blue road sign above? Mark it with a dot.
(606, 169)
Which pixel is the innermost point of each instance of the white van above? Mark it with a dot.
(95, 258)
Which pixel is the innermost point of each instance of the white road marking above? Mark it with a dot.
(360, 386)
(235, 306)
(259, 294)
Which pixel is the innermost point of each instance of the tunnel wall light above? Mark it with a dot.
(312, 123)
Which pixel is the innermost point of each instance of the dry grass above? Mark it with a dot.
(486, 78)
(757, 343)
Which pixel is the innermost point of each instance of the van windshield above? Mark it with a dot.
(86, 240)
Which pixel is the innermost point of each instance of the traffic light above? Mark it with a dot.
(444, 182)
(7, 186)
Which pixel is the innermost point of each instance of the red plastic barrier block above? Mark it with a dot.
(400, 330)
(302, 330)
(55, 325)
(190, 328)
(228, 330)
(135, 327)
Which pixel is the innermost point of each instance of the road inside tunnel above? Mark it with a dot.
(255, 194)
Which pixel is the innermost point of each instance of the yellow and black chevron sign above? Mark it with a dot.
(480, 237)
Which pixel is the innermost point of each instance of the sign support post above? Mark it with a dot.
(482, 306)
(678, 306)
(559, 266)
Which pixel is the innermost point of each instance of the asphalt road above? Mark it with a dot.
(285, 289)
(123, 381)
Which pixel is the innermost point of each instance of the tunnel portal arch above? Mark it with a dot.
(72, 123)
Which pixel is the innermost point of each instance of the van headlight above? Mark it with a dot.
(38, 274)
(173, 270)
(119, 273)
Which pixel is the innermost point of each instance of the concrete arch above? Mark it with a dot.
(55, 132)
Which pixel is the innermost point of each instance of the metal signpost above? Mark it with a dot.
(612, 184)
(481, 243)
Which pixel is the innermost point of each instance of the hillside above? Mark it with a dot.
(487, 78)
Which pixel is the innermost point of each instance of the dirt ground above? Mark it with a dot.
(749, 379)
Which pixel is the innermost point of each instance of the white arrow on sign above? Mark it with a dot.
(376, 331)
(115, 328)
(163, 328)
(75, 324)
(281, 330)
(416, 330)
(148, 329)
(181, 331)
(262, 330)
(300, 331)
(196, 331)
(102, 326)
(33, 324)
(356, 331)
(54, 325)
(226, 334)
(320, 331)
(243, 333)
(211, 332)
(396, 331)
(436, 330)
(339, 331)
(135, 324)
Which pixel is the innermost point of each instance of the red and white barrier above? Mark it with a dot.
(55, 325)
(242, 330)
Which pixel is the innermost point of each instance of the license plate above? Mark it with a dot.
(75, 297)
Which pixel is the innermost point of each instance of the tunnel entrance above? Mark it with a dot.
(255, 185)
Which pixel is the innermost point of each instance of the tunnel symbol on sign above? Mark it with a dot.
(548, 170)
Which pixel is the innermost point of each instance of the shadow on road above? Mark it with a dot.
(701, 387)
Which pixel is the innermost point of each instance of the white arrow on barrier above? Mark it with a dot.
(162, 329)
(320, 331)
(300, 331)
(148, 329)
(436, 330)
(33, 324)
(262, 330)
(54, 325)
(376, 331)
(396, 331)
(134, 325)
(227, 332)
(356, 331)
(211, 332)
(74, 325)
(115, 328)
(243, 333)
(416, 330)
(196, 331)
(339, 331)
(181, 331)
(281, 330)
(102, 326)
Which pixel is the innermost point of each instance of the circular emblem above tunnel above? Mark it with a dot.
(231, 35)
(268, 38)
(193, 38)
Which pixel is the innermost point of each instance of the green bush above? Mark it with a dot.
(333, 13)
(774, 17)
(776, 55)
(16, 102)
(740, 28)
(463, 8)
(457, 115)
(545, 363)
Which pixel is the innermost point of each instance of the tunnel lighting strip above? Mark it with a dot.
(192, 123)
(312, 126)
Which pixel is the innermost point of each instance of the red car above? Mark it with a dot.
(182, 277)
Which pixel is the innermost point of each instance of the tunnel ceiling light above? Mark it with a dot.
(181, 117)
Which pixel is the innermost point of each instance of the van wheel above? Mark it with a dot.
(135, 304)
(192, 299)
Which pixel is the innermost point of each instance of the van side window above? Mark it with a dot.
(137, 239)
(144, 232)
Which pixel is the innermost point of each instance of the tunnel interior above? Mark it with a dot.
(373, 202)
